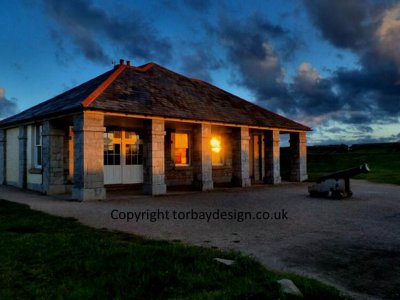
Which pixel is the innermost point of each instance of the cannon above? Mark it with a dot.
(336, 185)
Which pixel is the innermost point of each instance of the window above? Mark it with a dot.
(37, 151)
(112, 148)
(181, 149)
(133, 149)
(217, 155)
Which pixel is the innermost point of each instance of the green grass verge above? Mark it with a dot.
(48, 257)
(383, 160)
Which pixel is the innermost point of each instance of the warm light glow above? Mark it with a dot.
(215, 144)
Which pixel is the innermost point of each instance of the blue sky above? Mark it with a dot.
(332, 65)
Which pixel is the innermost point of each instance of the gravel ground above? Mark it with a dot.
(353, 244)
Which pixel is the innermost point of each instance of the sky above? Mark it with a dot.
(331, 65)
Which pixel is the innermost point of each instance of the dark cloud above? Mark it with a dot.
(200, 5)
(251, 51)
(88, 25)
(7, 107)
(371, 29)
(313, 94)
(342, 22)
(199, 62)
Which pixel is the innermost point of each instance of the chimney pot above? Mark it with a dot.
(128, 63)
(121, 61)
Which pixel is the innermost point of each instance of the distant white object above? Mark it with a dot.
(227, 262)
(289, 288)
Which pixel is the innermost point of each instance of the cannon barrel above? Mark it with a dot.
(346, 173)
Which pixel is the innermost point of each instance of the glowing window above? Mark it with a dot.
(217, 151)
(182, 151)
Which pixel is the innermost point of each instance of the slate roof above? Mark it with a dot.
(153, 90)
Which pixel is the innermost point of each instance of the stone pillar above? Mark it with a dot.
(202, 163)
(154, 158)
(272, 157)
(240, 157)
(298, 156)
(88, 156)
(53, 158)
(2, 156)
(22, 157)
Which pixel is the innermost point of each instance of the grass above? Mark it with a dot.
(383, 161)
(48, 257)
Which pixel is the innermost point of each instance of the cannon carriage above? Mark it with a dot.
(336, 185)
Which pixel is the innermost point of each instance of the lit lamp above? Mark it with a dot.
(215, 144)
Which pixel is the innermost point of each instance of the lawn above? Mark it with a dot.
(48, 257)
(382, 159)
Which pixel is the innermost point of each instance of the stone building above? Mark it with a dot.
(145, 127)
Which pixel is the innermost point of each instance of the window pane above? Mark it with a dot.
(38, 155)
(181, 140)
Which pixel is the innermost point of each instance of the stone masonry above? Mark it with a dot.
(240, 157)
(272, 157)
(298, 149)
(88, 156)
(2, 156)
(154, 157)
(53, 158)
(202, 157)
(22, 155)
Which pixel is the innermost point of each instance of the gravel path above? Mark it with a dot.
(353, 244)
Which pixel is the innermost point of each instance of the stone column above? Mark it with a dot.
(154, 158)
(272, 157)
(22, 145)
(298, 156)
(240, 157)
(53, 158)
(88, 156)
(2, 156)
(202, 163)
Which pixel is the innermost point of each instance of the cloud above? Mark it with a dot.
(253, 48)
(371, 30)
(89, 26)
(7, 107)
(314, 95)
(200, 61)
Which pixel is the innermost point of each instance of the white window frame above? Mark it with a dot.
(222, 153)
(37, 145)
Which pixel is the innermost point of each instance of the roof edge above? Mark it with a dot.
(92, 97)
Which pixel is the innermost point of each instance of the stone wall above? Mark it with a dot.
(154, 157)
(272, 157)
(53, 137)
(88, 156)
(298, 150)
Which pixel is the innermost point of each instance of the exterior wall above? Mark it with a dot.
(33, 176)
(298, 149)
(240, 157)
(88, 156)
(154, 157)
(272, 157)
(202, 157)
(53, 137)
(2, 156)
(12, 156)
(222, 175)
(22, 147)
(178, 175)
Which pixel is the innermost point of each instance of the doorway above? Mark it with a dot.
(123, 157)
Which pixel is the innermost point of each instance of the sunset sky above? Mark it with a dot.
(331, 65)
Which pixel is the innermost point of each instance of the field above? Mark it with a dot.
(382, 159)
(47, 257)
